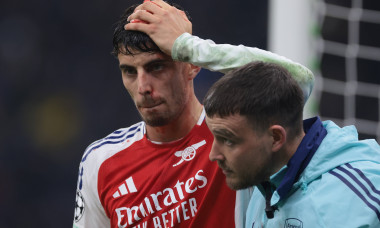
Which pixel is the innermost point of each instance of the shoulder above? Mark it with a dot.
(360, 179)
(352, 190)
(113, 143)
(95, 154)
(100, 150)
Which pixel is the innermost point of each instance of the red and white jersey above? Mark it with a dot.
(125, 180)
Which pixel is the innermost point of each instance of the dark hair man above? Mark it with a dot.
(156, 173)
(306, 173)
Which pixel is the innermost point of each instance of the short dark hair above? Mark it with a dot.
(133, 41)
(263, 92)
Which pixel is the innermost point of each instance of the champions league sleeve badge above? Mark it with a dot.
(79, 206)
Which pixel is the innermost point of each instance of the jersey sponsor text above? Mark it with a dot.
(170, 199)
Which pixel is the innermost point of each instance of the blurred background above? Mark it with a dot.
(60, 88)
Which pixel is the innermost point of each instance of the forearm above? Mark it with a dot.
(225, 57)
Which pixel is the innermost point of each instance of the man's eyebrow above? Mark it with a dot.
(154, 61)
(224, 133)
(125, 66)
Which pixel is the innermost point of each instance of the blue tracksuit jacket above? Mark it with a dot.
(333, 180)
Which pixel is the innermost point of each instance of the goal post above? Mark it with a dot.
(339, 40)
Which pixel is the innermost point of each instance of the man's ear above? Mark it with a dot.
(193, 71)
(278, 136)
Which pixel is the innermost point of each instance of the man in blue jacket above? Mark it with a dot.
(305, 173)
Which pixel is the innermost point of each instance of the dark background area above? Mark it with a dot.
(60, 90)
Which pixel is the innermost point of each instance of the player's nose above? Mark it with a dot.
(144, 83)
(215, 153)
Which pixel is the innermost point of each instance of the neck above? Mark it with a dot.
(293, 146)
(287, 152)
(179, 127)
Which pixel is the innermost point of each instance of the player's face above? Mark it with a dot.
(243, 155)
(158, 85)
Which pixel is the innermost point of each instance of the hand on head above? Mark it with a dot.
(162, 22)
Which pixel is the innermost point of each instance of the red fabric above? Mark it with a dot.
(168, 192)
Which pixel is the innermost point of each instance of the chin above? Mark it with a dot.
(234, 185)
(156, 120)
(237, 184)
(159, 119)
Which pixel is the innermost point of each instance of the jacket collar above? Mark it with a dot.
(284, 180)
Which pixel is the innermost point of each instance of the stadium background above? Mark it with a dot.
(60, 89)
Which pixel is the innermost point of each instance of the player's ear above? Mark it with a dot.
(192, 71)
(278, 136)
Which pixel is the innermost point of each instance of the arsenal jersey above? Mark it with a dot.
(125, 180)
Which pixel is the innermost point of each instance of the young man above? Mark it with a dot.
(307, 173)
(156, 173)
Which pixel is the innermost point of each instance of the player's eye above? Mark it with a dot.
(156, 67)
(225, 141)
(228, 142)
(129, 71)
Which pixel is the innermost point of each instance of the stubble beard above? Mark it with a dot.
(237, 181)
(241, 183)
(157, 120)
(172, 113)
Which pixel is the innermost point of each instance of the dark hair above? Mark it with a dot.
(133, 41)
(263, 92)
